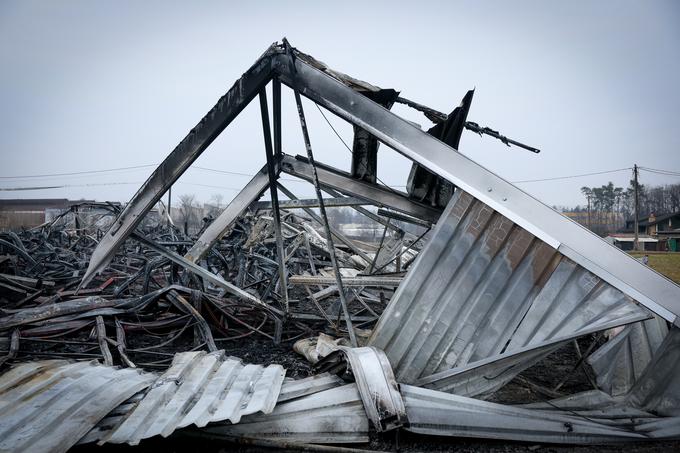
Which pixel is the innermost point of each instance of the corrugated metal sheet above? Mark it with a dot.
(481, 283)
(48, 406)
(290, 390)
(331, 416)
(620, 362)
(442, 414)
(199, 388)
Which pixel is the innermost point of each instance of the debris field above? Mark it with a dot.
(478, 312)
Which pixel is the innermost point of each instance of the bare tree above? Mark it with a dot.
(215, 203)
(187, 211)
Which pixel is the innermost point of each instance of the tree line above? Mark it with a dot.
(608, 207)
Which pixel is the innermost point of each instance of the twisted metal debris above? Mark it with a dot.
(490, 285)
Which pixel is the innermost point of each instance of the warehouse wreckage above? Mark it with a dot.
(502, 282)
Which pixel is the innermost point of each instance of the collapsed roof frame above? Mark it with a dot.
(333, 91)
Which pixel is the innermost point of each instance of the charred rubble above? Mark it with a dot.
(494, 317)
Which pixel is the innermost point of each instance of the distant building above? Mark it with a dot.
(17, 214)
(625, 241)
(28, 213)
(665, 229)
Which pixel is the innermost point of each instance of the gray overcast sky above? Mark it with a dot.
(95, 85)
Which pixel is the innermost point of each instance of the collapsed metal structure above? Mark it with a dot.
(503, 282)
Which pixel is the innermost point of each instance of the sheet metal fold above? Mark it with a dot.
(442, 414)
(377, 385)
(620, 362)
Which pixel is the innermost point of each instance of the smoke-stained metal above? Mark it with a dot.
(585, 248)
(426, 186)
(48, 406)
(442, 414)
(335, 92)
(342, 182)
(377, 385)
(481, 283)
(179, 160)
(331, 416)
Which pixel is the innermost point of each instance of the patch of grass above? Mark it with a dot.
(667, 264)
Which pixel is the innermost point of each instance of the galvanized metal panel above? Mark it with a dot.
(199, 388)
(620, 362)
(331, 416)
(484, 286)
(48, 406)
(658, 388)
(443, 414)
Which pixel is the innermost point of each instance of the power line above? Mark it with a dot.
(573, 176)
(350, 149)
(65, 186)
(660, 172)
(77, 172)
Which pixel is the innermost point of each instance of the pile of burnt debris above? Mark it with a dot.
(498, 319)
(150, 302)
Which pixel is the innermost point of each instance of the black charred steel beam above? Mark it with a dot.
(425, 185)
(343, 182)
(179, 160)
(313, 203)
(404, 218)
(365, 145)
(273, 190)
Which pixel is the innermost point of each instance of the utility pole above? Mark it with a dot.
(636, 245)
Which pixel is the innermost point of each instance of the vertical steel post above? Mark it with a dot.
(276, 95)
(272, 170)
(636, 243)
(322, 209)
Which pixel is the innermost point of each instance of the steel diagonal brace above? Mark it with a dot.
(179, 160)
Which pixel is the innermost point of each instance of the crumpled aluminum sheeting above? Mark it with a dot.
(199, 388)
(331, 416)
(48, 406)
(620, 362)
(442, 414)
(482, 378)
(483, 282)
(377, 385)
(658, 388)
